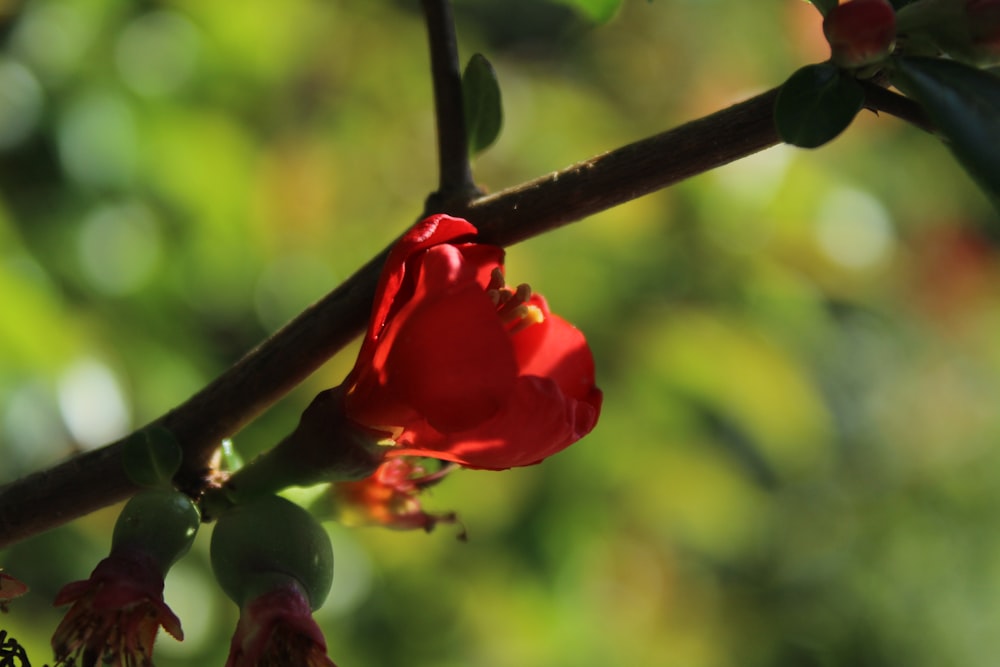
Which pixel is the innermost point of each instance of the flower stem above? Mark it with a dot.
(455, 181)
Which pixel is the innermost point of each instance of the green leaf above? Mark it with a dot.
(816, 104)
(964, 103)
(483, 105)
(598, 11)
(152, 456)
(229, 459)
(824, 6)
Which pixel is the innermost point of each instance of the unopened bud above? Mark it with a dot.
(860, 32)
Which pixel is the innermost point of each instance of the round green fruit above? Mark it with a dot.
(271, 535)
(158, 522)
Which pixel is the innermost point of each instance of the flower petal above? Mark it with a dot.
(428, 233)
(450, 359)
(538, 421)
(555, 349)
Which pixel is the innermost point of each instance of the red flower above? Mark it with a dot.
(860, 32)
(115, 614)
(389, 497)
(276, 629)
(459, 367)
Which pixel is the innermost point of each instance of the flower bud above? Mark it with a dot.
(860, 32)
(271, 537)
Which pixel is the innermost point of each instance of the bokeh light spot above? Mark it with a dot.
(21, 103)
(97, 141)
(184, 592)
(31, 429)
(854, 230)
(92, 403)
(119, 247)
(157, 53)
(289, 284)
(52, 37)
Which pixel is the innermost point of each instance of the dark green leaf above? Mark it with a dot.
(598, 11)
(483, 105)
(151, 457)
(816, 104)
(964, 103)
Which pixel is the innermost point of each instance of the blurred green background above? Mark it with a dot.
(796, 463)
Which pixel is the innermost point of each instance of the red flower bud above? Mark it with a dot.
(860, 32)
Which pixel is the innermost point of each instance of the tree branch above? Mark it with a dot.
(96, 479)
(455, 181)
(878, 98)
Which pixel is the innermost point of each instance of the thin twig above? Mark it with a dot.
(455, 182)
(93, 480)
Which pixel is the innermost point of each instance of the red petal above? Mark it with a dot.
(11, 587)
(555, 349)
(71, 592)
(450, 359)
(537, 422)
(482, 259)
(428, 233)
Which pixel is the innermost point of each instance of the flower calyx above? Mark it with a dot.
(117, 611)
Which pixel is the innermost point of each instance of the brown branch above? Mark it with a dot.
(93, 480)
(879, 98)
(455, 180)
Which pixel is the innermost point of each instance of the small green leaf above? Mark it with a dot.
(152, 456)
(824, 6)
(483, 105)
(964, 103)
(229, 459)
(598, 11)
(816, 104)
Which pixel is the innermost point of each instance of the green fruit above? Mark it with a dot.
(271, 535)
(159, 522)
